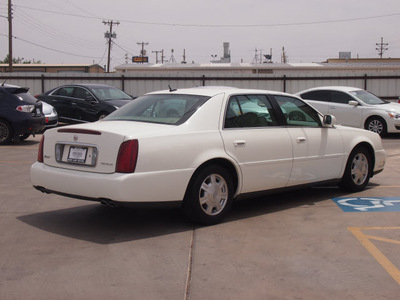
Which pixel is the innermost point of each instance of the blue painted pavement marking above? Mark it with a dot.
(368, 204)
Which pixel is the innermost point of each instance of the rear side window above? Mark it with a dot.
(324, 96)
(64, 91)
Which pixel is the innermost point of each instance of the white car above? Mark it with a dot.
(355, 107)
(207, 154)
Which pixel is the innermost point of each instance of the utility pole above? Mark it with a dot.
(110, 35)
(10, 48)
(142, 52)
(381, 47)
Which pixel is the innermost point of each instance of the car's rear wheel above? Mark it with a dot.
(5, 132)
(23, 137)
(358, 170)
(209, 196)
(376, 124)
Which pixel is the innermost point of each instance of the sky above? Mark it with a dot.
(72, 31)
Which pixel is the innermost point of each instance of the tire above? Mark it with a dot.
(358, 170)
(5, 132)
(24, 136)
(209, 195)
(376, 124)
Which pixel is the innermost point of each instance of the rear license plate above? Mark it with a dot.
(77, 154)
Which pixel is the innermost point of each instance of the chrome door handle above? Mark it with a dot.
(301, 140)
(239, 143)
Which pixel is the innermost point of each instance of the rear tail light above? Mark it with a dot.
(127, 156)
(26, 108)
(40, 151)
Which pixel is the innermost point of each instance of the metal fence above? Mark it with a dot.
(385, 86)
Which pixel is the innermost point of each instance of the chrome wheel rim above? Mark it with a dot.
(375, 126)
(359, 169)
(3, 132)
(213, 194)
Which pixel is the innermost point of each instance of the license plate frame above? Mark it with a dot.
(77, 154)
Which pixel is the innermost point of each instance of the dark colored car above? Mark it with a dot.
(20, 114)
(77, 103)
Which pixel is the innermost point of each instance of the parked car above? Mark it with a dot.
(207, 154)
(50, 114)
(355, 107)
(20, 114)
(77, 103)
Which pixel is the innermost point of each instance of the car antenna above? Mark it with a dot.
(171, 89)
(4, 82)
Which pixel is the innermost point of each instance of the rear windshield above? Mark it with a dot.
(22, 94)
(161, 108)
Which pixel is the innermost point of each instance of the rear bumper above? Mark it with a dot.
(137, 187)
(28, 124)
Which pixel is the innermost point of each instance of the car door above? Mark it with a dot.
(345, 113)
(319, 99)
(318, 152)
(61, 99)
(254, 140)
(85, 107)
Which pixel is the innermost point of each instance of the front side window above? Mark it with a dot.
(81, 93)
(249, 111)
(171, 109)
(298, 113)
(340, 97)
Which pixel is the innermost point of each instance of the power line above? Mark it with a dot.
(51, 49)
(224, 25)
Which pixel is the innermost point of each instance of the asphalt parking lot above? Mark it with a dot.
(293, 245)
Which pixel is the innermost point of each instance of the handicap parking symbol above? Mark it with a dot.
(368, 204)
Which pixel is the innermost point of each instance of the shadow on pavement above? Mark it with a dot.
(104, 225)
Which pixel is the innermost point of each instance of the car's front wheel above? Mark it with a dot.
(209, 196)
(5, 132)
(376, 124)
(358, 170)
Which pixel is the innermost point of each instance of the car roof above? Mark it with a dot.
(88, 85)
(331, 88)
(215, 90)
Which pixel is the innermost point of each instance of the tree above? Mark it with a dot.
(19, 61)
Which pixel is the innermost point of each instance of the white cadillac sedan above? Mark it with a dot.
(355, 107)
(204, 147)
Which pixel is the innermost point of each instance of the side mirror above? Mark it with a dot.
(329, 121)
(353, 103)
(89, 98)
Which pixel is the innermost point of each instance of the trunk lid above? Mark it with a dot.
(93, 147)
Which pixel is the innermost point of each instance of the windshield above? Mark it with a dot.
(367, 97)
(109, 93)
(161, 108)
